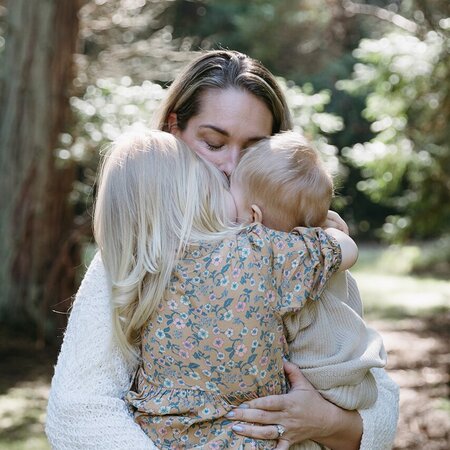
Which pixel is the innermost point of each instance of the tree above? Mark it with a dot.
(37, 254)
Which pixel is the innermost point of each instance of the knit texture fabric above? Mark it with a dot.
(86, 410)
(335, 349)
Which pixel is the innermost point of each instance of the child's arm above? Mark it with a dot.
(85, 408)
(348, 246)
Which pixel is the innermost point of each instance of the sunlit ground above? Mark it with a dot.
(389, 292)
(411, 313)
(25, 375)
(22, 414)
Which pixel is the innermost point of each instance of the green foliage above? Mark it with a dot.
(289, 36)
(105, 111)
(310, 43)
(130, 38)
(405, 166)
(310, 118)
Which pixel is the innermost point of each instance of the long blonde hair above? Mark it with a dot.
(155, 196)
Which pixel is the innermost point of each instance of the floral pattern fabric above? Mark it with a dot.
(217, 339)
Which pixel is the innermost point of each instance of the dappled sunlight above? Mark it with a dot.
(389, 290)
(413, 295)
(22, 416)
(418, 356)
(412, 314)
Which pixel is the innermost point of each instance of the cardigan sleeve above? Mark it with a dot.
(380, 419)
(85, 408)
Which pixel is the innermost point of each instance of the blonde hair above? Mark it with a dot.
(286, 178)
(222, 69)
(155, 197)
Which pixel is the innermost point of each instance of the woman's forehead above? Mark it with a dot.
(229, 110)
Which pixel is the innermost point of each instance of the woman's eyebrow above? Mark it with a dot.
(216, 129)
(225, 133)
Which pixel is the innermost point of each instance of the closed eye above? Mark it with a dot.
(212, 147)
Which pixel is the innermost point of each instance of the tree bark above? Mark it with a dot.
(35, 215)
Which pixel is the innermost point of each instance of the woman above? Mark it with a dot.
(222, 103)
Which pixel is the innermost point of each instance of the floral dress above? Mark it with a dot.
(217, 339)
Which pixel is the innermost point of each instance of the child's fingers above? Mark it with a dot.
(334, 220)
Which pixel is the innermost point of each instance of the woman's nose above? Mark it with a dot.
(231, 161)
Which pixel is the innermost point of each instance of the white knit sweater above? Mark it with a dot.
(86, 411)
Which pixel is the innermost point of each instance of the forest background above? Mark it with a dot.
(367, 81)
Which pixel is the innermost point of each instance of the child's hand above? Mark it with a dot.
(334, 220)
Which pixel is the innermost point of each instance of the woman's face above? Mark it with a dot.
(229, 121)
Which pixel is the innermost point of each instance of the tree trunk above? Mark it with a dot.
(35, 215)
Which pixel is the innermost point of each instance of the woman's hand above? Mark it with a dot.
(303, 413)
(334, 220)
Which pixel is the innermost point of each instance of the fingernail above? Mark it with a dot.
(243, 406)
(237, 428)
(230, 414)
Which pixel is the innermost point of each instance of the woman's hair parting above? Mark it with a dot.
(287, 179)
(223, 69)
(155, 197)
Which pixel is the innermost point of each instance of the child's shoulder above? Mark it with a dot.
(259, 235)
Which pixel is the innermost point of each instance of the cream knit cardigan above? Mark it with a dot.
(85, 408)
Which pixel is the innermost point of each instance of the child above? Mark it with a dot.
(203, 297)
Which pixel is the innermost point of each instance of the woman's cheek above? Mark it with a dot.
(212, 157)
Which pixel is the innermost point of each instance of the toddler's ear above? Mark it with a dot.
(257, 214)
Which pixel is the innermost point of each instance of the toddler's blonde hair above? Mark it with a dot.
(155, 197)
(287, 179)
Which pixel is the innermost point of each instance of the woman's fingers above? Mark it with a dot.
(269, 403)
(302, 413)
(253, 415)
(283, 444)
(257, 431)
(297, 380)
(273, 408)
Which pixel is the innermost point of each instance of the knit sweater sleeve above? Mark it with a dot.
(306, 334)
(85, 408)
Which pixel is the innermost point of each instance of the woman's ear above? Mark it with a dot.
(172, 122)
(257, 214)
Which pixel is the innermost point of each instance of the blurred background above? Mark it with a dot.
(367, 81)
